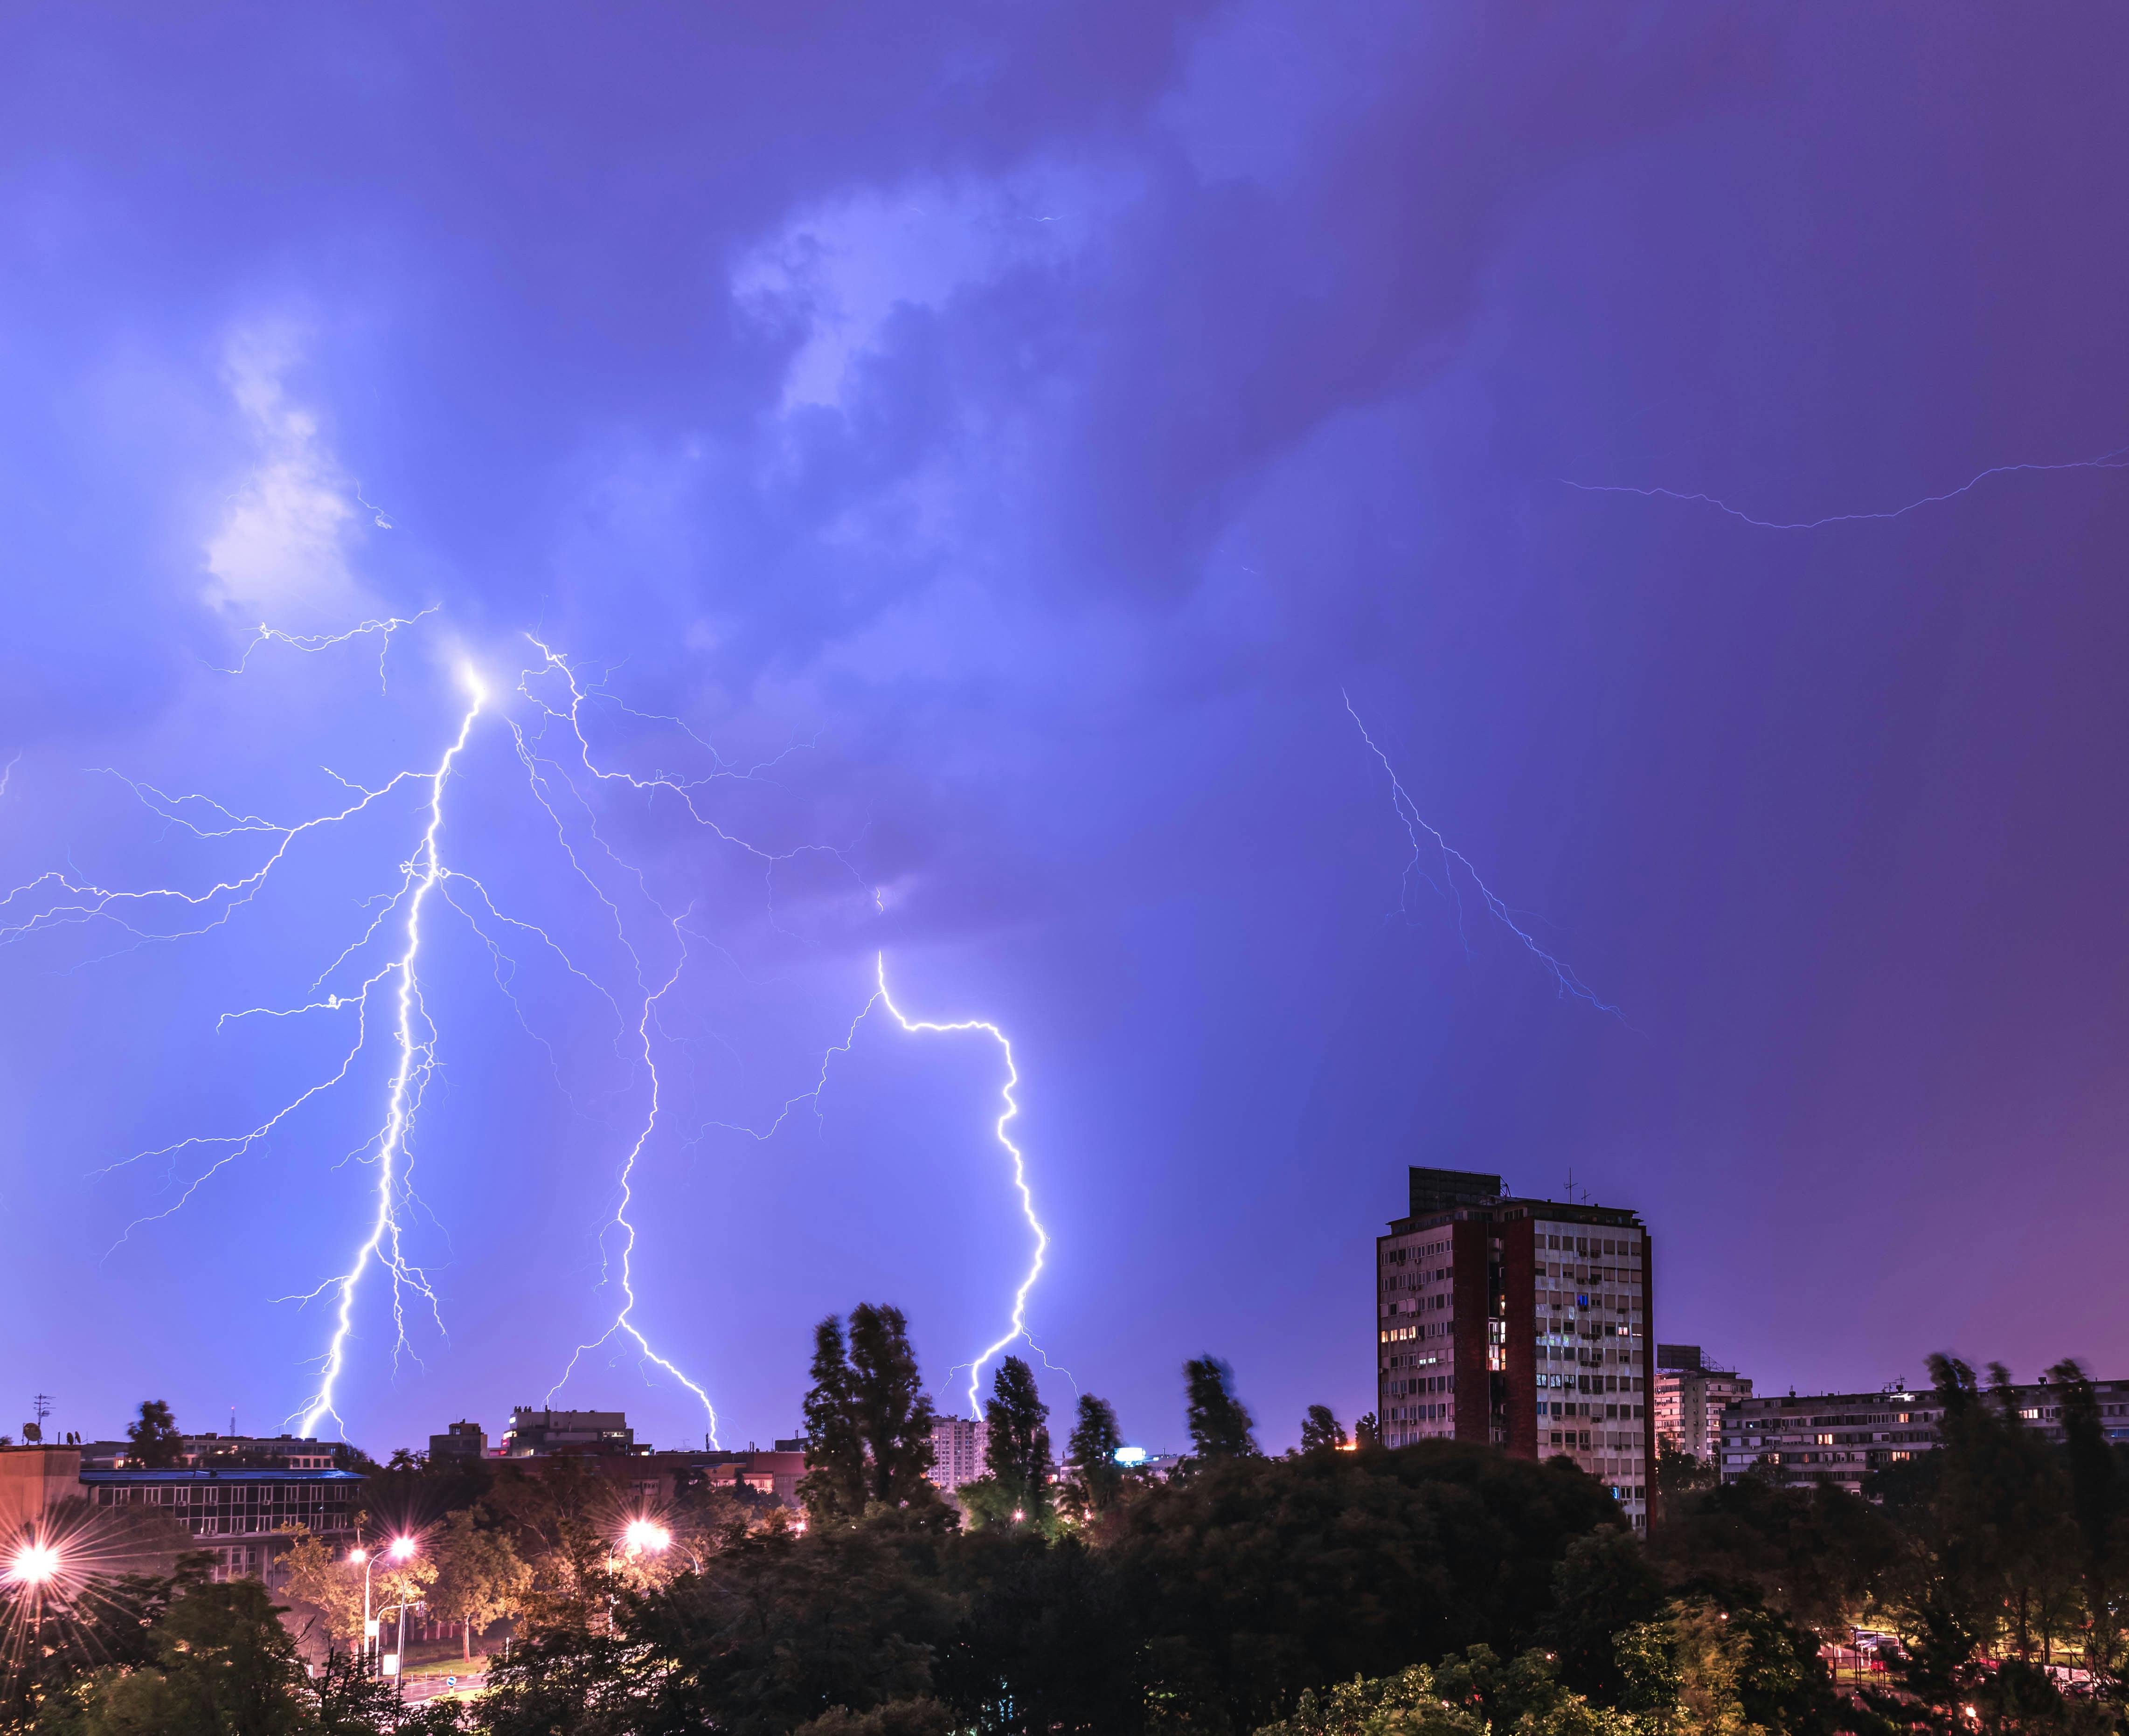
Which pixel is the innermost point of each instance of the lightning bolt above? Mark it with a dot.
(416, 1041)
(565, 784)
(1564, 981)
(2117, 459)
(1016, 1324)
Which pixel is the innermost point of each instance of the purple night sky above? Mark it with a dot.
(1003, 431)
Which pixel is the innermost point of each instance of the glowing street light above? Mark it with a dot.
(645, 1537)
(34, 1565)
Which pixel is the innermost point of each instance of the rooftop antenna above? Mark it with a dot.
(42, 1405)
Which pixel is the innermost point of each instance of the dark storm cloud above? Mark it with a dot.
(1025, 420)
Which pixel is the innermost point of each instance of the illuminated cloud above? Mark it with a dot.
(283, 542)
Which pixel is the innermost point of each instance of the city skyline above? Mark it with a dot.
(1532, 594)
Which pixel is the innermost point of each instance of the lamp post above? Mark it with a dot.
(361, 1555)
(401, 1549)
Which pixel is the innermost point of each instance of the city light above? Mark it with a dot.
(645, 1537)
(1130, 1455)
(357, 1555)
(401, 1549)
(34, 1564)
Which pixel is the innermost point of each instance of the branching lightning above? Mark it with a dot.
(565, 777)
(1564, 981)
(417, 1053)
(2117, 459)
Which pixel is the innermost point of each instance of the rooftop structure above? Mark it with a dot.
(542, 1432)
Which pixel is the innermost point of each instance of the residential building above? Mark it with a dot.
(461, 1440)
(1839, 1437)
(540, 1434)
(1690, 1393)
(1520, 1322)
(957, 1451)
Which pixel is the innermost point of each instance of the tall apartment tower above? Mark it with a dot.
(1691, 1392)
(1519, 1322)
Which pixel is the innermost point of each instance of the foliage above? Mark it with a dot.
(1219, 1428)
(834, 1487)
(1680, 1472)
(1096, 1479)
(562, 1521)
(1045, 1639)
(1321, 1432)
(1603, 1582)
(897, 1718)
(1818, 1554)
(1701, 1669)
(1403, 1704)
(479, 1578)
(1016, 1441)
(223, 1666)
(894, 1417)
(1258, 1577)
(328, 1586)
(153, 1440)
(775, 1630)
(868, 1421)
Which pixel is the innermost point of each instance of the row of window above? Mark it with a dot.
(1563, 1407)
(1601, 1246)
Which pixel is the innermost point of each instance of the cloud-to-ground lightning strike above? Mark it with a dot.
(624, 1321)
(424, 886)
(55, 900)
(1016, 1325)
(1565, 980)
(2117, 459)
(416, 1039)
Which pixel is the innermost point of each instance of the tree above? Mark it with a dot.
(1091, 1455)
(1219, 1426)
(153, 1442)
(1321, 1432)
(1256, 1578)
(2096, 1504)
(479, 1579)
(894, 1416)
(1017, 1439)
(561, 1524)
(224, 1666)
(834, 1487)
(1602, 1584)
(329, 1585)
(1699, 1669)
(1367, 1432)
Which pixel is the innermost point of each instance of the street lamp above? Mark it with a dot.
(401, 1549)
(645, 1537)
(35, 1565)
(361, 1557)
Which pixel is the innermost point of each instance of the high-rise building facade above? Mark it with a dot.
(1690, 1393)
(1520, 1322)
(957, 1451)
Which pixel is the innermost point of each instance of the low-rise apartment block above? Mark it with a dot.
(1839, 1437)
